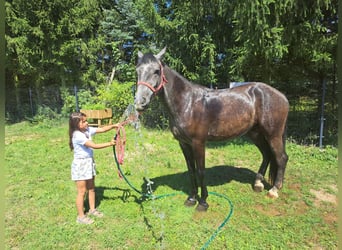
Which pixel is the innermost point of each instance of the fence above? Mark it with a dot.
(307, 123)
(23, 103)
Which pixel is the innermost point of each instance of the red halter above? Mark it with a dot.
(163, 81)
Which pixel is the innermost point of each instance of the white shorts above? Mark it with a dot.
(83, 169)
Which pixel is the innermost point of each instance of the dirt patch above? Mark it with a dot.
(321, 195)
(269, 211)
(14, 138)
(275, 210)
(295, 186)
(330, 218)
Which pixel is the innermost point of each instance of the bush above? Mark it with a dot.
(85, 98)
(155, 116)
(116, 96)
(45, 117)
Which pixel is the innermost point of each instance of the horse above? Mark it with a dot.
(198, 114)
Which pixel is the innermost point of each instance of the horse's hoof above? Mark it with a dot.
(202, 207)
(258, 187)
(273, 193)
(190, 202)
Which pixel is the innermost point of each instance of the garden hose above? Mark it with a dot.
(151, 196)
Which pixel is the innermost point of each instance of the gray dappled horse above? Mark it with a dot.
(199, 114)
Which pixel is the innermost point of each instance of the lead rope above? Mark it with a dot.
(150, 195)
(120, 143)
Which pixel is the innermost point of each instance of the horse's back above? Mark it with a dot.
(270, 97)
(269, 105)
(259, 90)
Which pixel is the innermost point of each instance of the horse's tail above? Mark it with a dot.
(272, 175)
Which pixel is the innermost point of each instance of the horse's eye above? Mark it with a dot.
(157, 71)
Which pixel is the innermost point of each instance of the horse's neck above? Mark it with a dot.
(178, 93)
(174, 86)
(176, 82)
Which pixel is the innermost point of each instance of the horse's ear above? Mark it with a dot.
(161, 53)
(140, 54)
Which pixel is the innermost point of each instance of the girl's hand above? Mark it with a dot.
(112, 142)
(116, 125)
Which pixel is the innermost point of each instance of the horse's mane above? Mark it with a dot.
(186, 81)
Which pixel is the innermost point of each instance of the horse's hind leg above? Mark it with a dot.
(260, 141)
(278, 165)
(190, 162)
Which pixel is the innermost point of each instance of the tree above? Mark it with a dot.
(50, 42)
(243, 40)
(122, 35)
(271, 33)
(288, 44)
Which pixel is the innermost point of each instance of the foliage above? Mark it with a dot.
(116, 96)
(85, 98)
(289, 44)
(285, 32)
(46, 117)
(122, 34)
(50, 39)
(259, 38)
(155, 115)
(40, 208)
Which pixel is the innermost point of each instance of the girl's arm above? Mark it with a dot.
(91, 144)
(107, 128)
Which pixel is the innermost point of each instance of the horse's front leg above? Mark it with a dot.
(199, 155)
(190, 162)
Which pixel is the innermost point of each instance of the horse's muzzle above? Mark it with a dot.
(140, 103)
(139, 106)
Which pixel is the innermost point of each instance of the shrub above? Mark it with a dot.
(45, 117)
(155, 116)
(116, 96)
(85, 98)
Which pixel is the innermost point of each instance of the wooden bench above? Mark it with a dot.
(97, 116)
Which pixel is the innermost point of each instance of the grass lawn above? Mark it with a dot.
(40, 197)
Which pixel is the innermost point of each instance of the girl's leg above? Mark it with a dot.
(91, 193)
(90, 185)
(81, 191)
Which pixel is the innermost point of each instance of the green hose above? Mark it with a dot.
(151, 196)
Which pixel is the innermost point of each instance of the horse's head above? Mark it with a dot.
(150, 78)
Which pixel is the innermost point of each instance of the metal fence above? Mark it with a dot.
(23, 103)
(309, 125)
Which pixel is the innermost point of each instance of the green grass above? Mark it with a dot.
(40, 197)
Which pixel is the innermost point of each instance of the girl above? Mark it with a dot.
(83, 169)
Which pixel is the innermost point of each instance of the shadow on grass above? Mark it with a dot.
(100, 196)
(180, 182)
(214, 176)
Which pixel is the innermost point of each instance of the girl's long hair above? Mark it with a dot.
(74, 121)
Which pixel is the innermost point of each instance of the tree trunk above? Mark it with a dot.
(17, 97)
